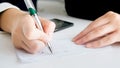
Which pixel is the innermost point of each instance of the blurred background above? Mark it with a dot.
(51, 7)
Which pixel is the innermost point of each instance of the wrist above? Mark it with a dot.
(10, 18)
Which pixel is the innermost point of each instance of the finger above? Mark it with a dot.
(33, 46)
(98, 22)
(109, 39)
(48, 26)
(96, 33)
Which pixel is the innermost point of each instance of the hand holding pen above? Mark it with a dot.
(38, 23)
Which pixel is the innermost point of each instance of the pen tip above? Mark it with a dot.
(50, 50)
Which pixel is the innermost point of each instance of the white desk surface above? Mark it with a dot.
(8, 57)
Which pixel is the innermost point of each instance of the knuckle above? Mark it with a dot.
(110, 12)
(113, 15)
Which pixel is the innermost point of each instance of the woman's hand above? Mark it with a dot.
(102, 32)
(23, 30)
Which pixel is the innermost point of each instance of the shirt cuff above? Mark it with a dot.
(5, 5)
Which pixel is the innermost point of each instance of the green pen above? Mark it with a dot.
(33, 12)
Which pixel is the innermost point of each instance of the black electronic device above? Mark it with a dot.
(61, 24)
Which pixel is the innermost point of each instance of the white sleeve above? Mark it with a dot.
(5, 5)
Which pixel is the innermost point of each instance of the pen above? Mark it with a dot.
(33, 12)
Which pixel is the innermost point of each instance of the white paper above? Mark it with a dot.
(61, 48)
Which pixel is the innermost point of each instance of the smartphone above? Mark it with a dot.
(61, 24)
